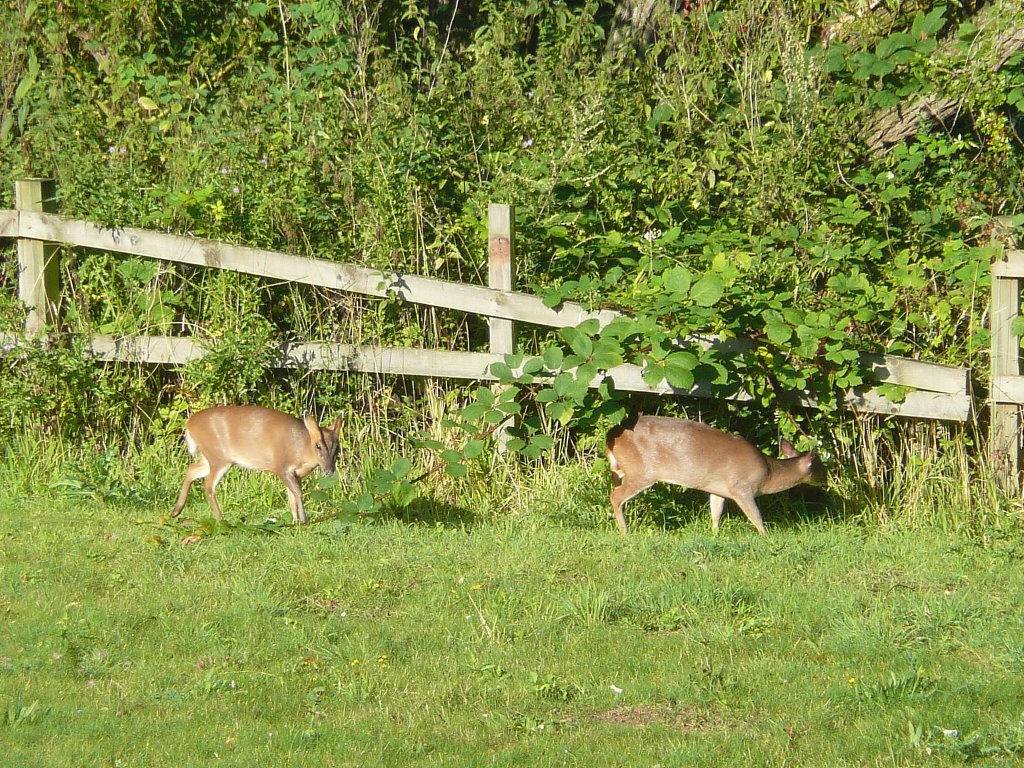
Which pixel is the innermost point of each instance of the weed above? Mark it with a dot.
(553, 688)
(18, 713)
(914, 687)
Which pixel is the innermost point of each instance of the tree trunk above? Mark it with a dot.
(635, 24)
(902, 121)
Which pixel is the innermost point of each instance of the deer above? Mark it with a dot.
(259, 439)
(645, 450)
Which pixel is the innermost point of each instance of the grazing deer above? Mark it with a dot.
(261, 439)
(645, 450)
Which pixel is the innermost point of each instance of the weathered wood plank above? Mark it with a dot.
(508, 305)
(884, 369)
(178, 350)
(1010, 265)
(9, 224)
(494, 303)
(501, 241)
(1004, 429)
(167, 350)
(916, 405)
(402, 361)
(931, 377)
(38, 268)
(501, 265)
(474, 365)
(1008, 389)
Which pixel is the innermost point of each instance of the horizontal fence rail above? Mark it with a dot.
(937, 391)
(405, 361)
(287, 267)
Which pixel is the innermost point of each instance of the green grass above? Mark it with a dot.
(534, 636)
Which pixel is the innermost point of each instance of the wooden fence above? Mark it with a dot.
(938, 392)
(1007, 386)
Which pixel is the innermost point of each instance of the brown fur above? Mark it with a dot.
(260, 439)
(649, 449)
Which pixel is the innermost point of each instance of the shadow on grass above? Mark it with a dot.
(422, 511)
(425, 510)
(669, 508)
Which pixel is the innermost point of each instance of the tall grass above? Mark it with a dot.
(881, 473)
(923, 475)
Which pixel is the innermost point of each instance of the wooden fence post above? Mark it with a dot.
(501, 270)
(38, 266)
(1005, 423)
(501, 243)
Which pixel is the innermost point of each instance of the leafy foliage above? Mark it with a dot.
(713, 186)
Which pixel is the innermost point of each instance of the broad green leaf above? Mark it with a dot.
(546, 395)
(654, 374)
(510, 408)
(403, 494)
(582, 345)
(455, 470)
(502, 373)
(669, 236)
(515, 444)
(677, 280)
(533, 365)
(494, 417)
(485, 396)
(474, 411)
(661, 114)
(560, 411)
(707, 291)
(473, 449)
(779, 333)
(553, 358)
(682, 359)
(380, 481)
(543, 441)
(679, 377)
(552, 299)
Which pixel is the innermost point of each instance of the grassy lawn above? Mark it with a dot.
(525, 640)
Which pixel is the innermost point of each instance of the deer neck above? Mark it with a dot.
(784, 474)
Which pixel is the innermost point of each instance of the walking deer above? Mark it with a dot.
(645, 450)
(260, 439)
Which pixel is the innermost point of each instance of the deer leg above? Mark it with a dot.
(195, 471)
(294, 490)
(621, 493)
(717, 508)
(214, 476)
(749, 507)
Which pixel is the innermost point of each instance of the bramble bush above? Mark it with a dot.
(715, 184)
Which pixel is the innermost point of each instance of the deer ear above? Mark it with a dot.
(336, 425)
(787, 450)
(311, 426)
